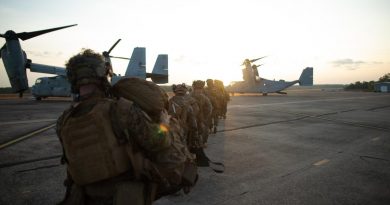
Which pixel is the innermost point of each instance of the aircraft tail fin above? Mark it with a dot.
(137, 63)
(160, 70)
(306, 78)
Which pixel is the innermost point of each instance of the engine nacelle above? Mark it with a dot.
(14, 60)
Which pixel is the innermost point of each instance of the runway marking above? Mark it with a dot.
(303, 116)
(26, 121)
(306, 101)
(262, 124)
(336, 120)
(319, 163)
(11, 142)
(375, 139)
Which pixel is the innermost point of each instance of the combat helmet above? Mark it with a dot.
(210, 82)
(198, 84)
(179, 89)
(87, 67)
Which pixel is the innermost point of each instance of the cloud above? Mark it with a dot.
(351, 64)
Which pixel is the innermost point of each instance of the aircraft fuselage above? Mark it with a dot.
(253, 83)
(261, 85)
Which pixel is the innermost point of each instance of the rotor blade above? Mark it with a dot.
(253, 60)
(28, 35)
(113, 46)
(3, 47)
(120, 57)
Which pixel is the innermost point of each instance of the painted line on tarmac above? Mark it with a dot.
(26, 121)
(307, 101)
(303, 116)
(11, 142)
(355, 124)
(322, 162)
(262, 124)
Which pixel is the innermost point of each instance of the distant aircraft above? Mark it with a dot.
(15, 62)
(253, 83)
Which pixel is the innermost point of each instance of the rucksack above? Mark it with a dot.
(176, 165)
(147, 95)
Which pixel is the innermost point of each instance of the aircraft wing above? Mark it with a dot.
(40, 68)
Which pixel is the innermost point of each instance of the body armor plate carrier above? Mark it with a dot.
(91, 147)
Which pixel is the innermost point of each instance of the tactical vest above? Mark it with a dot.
(91, 147)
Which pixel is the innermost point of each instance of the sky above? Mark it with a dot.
(343, 40)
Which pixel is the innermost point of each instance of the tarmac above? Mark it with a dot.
(310, 146)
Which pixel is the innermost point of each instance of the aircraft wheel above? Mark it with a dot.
(38, 98)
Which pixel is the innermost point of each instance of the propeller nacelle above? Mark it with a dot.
(107, 58)
(15, 59)
(10, 35)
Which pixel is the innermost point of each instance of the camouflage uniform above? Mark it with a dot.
(182, 107)
(195, 138)
(212, 93)
(223, 98)
(205, 109)
(114, 151)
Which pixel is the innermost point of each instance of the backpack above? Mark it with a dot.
(147, 95)
(173, 168)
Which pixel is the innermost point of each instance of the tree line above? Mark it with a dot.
(367, 86)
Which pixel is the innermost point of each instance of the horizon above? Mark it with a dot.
(344, 42)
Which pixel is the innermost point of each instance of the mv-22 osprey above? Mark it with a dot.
(15, 62)
(253, 83)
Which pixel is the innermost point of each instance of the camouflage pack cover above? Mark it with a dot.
(149, 96)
